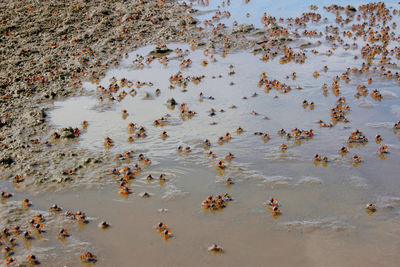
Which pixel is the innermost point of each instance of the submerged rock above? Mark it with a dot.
(351, 8)
(172, 102)
(305, 45)
(160, 50)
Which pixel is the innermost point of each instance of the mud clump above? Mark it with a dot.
(67, 133)
(187, 21)
(243, 28)
(161, 50)
(6, 161)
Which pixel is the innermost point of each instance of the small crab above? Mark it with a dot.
(166, 234)
(125, 190)
(7, 251)
(27, 235)
(63, 233)
(276, 211)
(272, 202)
(32, 259)
(26, 203)
(55, 208)
(161, 226)
(370, 207)
(145, 195)
(5, 195)
(10, 261)
(215, 248)
(104, 225)
(221, 164)
(88, 257)
(229, 181)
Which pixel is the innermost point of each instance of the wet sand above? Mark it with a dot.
(51, 47)
(323, 220)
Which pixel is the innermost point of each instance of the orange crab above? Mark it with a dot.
(7, 250)
(163, 177)
(343, 150)
(370, 207)
(104, 225)
(26, 203)
(5, 195)
(275, 211)
(125, 190)
(215, 248)
(10, 261)
(356, 159)
(88, 257)
(317, 157)
(108, 142)
(17, 179)
(229, 156)
(63, 233)
(221, 164)
(161, 227)
(272, 202)
(383, 149)
(32, 259)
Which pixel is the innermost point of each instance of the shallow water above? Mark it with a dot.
(250, 12)
(323, 220)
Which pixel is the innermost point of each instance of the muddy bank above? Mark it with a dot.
(49, 47)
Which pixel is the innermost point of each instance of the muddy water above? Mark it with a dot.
(322, 206)
(323, 220)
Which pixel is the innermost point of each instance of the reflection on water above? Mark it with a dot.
(322, 203)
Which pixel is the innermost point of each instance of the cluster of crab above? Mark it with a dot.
(8, 236)
(357, 137)
(163, 230)
(216, 202)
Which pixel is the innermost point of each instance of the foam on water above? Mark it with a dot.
(383, 125)
(278, 181)
(389, 202)
(309, 180)
(388, 95)
(358, 182)
(172, 193)
(363, 103)
(307, 226)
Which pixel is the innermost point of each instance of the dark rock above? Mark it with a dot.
(172, 102)
(351, 8)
